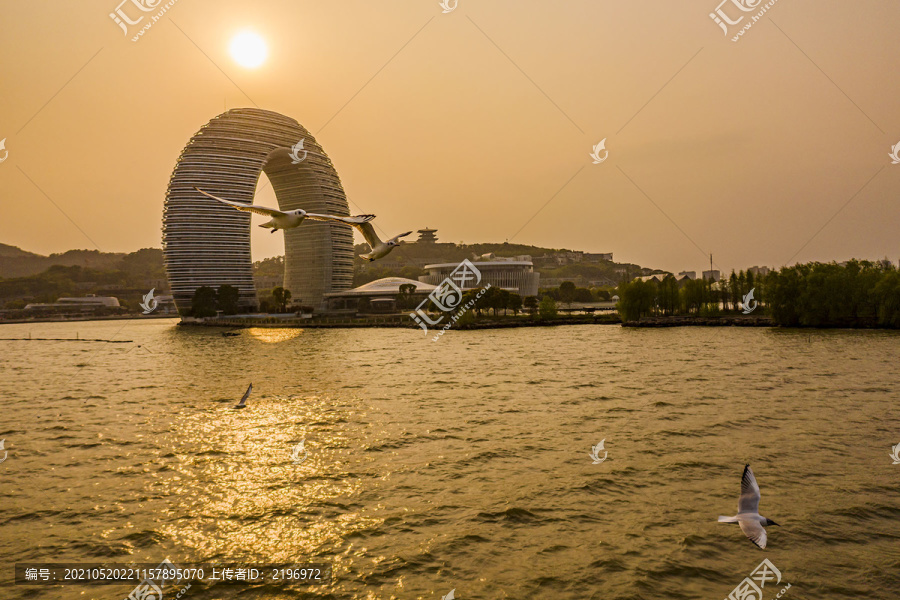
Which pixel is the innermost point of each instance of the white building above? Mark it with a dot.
(516, 276)
(382, 294)
(70, 304)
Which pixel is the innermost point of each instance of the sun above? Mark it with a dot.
(248, 49)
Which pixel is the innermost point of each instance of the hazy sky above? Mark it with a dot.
(471, 121)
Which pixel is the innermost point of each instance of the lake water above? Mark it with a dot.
(461, 464)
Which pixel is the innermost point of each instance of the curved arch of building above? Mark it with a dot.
(207, 243)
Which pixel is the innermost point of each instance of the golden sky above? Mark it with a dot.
(473, 120)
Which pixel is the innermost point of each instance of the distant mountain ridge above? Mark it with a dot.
(26, 275)
(15, 262)
(7, 251)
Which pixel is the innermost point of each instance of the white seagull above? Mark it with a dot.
(377, 248)
(748, 516)
(288, 219)
(243, 402)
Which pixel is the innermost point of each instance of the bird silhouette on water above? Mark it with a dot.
(748, 517)
(243, 402)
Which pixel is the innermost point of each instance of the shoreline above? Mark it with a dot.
(403, 321)
(134, 317)
(400, 321)
(688, 321)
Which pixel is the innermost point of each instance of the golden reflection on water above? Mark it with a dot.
(273, 336)
(247, 497)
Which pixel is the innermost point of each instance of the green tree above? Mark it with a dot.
(887, 295)
(547, 308)
(567, 292)
(514, 303)
(227, 299)
(531, 304)
(492, 299)
(503, 301)
(203, 303)
(669, 297)
(583, 295)
(735, 287)
(636, 299)
(282, 297)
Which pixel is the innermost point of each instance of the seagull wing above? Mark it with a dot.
(397, 237)
(754, 531)
(246, 395)
(749, 500)
(368, 232)
(260, 210)
(354, 220)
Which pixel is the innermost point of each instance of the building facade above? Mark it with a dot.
(381, 295)
(517, 276)
(207, 243)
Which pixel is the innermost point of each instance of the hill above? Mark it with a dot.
(29, 277)
(15, 262)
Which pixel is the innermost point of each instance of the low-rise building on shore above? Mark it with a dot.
(516, 276)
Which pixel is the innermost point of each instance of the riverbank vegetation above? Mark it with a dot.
(851, 294)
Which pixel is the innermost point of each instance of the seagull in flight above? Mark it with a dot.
(377, 248)
(243, 402)
(291, 218)
(748, 517)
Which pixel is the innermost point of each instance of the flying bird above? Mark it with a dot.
(377, 248)
(748, 517)
(243, 402)
(288, 219)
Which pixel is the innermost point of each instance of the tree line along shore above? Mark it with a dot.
(855, 294)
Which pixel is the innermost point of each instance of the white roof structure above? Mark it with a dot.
(83, 302)
(388, 286)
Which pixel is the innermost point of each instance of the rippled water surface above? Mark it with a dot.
(457, 464)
